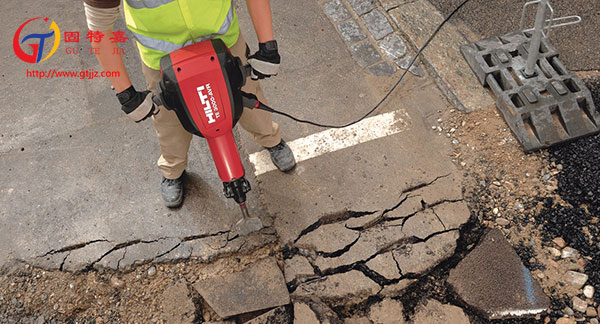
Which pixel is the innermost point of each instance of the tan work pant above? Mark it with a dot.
(174, 140)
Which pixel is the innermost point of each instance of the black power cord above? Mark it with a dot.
(267, 108)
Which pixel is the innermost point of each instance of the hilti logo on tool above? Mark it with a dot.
(211, 110)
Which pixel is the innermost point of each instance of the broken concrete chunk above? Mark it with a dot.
(50, 261)
(433, 312)
(325, 314)
(453, 214)
(576, 279)
(493, 281)
(410, 205)
(357, 320)
(339, 286)
(144, 252)
(397, 289)
(388, 311)
(444, 188)
(422, 225)
(329, 238)
(176, 305)
(579, 304)
(385, 265)
(259, 286)
(278, 315)
(80, 258)
(304, 315)
(421, 257)
(371, 242)
(298, 267)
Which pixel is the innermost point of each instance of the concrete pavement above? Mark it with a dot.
(79, 182)
(81, 188)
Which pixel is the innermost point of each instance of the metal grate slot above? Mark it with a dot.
(517, 101)
(571, 85)
(501, 81)
(559, 121)
(530, 128)
(585, 110)
(488, 59)
(543, 68)
(557, 66)
(515, 76)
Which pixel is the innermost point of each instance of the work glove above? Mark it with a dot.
(265, 62)
(137, 105)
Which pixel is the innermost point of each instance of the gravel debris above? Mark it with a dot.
(579, 305)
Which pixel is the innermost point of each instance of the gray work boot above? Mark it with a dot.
(282, 156)
(172, 191)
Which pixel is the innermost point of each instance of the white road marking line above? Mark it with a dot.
(335, 139)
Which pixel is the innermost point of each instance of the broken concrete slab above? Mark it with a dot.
(419, 258)
(417, 20)
(259, 286)
(422, 225)
(444, 188)
(329, 238)
(340, 286)
(492, 280)
(433, 312)
(371, 242)
(298, 267)
(279, 315)
(303, 314)
(387, 311)
(453, 214)
(385, 265)
(176, 304)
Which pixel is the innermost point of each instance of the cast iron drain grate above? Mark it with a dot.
(551, 107)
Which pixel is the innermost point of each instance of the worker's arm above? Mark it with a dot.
(260, 13)
(110, 58)
(101, 16)
(265, 62)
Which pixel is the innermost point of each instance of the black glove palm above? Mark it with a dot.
(265, 62)
(137, 105)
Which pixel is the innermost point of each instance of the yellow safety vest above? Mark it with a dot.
(163, 26)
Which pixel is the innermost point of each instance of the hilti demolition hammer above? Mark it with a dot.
(202, 83)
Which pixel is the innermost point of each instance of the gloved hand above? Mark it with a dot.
(137, 105)
(265, 62)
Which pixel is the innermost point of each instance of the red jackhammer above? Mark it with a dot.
(202, 83)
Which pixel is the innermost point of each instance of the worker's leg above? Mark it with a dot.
(256, 122)
(174, 140)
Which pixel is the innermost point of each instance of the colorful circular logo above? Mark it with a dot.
(38, 49)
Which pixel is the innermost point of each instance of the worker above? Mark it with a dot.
(163, 26)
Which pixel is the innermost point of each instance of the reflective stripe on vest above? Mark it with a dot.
(147, 3)
(168, 47)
